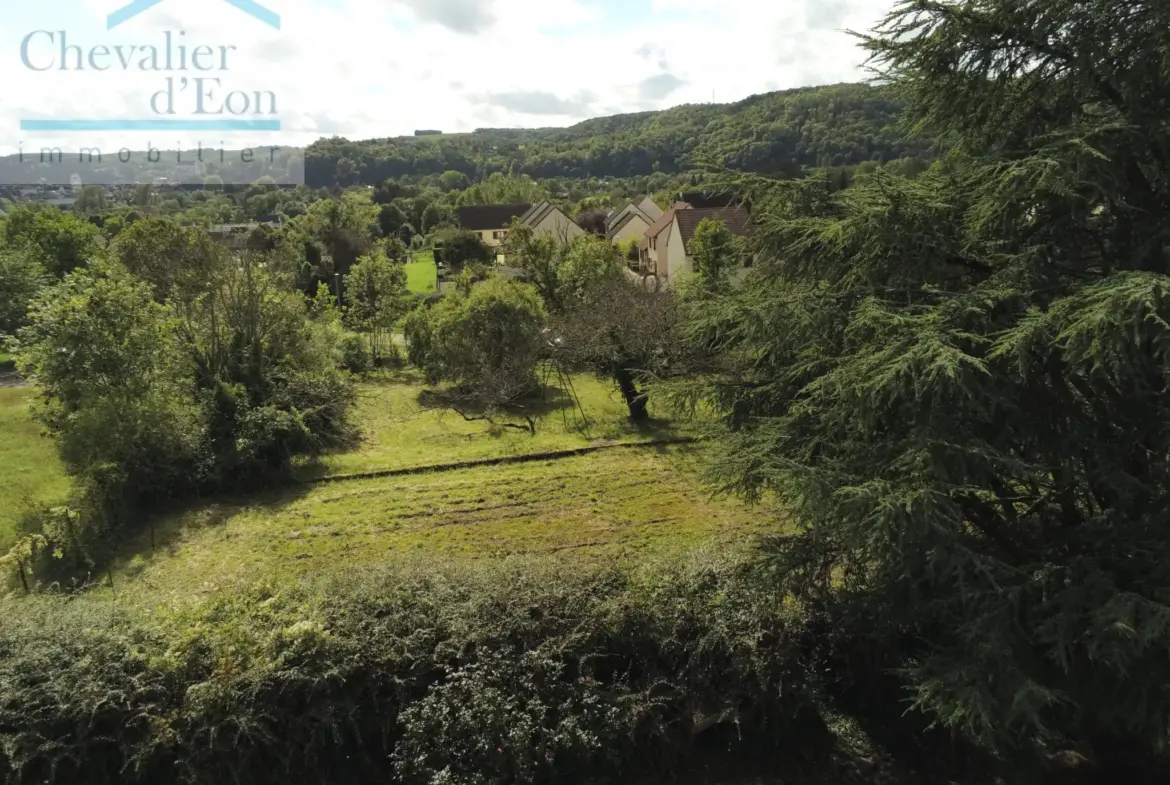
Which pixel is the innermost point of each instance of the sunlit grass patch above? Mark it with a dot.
(29, 468)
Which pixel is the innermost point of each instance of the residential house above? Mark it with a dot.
(490, 221)
(665, 250)
(546, 218)
(653, 246)
(232, 235)
(631, 220)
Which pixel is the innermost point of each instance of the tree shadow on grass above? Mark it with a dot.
(159, 529)
(538, 404)
(401, 377)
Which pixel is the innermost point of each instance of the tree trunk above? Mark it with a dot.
(635, 400)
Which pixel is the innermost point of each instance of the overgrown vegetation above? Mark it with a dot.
(942, 386)
(156, 390)
(486, 342)
(423, 673)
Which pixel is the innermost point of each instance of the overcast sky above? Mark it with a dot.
(375, 68)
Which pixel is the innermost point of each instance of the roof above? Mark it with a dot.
(617, 210)
(649, 207)
(482, 217)
(706, 199)
(643, 205)
(537, 213)
(665, 221)
(631, 215)
(737, 219)
(619, 217)
(528, 213)
(541, 211)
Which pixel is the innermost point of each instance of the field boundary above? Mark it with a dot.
(548, 455)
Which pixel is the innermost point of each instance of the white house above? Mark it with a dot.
(631, 220)
(490, 221)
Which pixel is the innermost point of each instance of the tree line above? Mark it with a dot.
(775, 133)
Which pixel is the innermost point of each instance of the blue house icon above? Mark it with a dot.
(249, 7)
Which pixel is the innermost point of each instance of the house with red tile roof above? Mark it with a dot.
(664, 251)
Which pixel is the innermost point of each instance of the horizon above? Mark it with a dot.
(443, 133)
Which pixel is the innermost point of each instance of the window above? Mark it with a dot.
(501, 234)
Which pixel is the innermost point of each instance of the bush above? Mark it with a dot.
(21, 279)
(522, 672)
(226, 381)
(486, 341)
(457, 249)
(354, 353)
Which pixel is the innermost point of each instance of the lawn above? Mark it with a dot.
(29, 469)
(402, 428)
(613, 504)
(421, 274)
(621, 505)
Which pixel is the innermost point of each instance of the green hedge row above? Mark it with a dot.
(423, 673)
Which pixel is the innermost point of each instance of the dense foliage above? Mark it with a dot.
(188, 379)
(427, 674)
(486, 341)
(773, 132)
(957, 382)
(563, 271)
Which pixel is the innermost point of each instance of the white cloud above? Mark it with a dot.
(376, 68)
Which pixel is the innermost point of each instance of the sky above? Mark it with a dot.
(376, 68)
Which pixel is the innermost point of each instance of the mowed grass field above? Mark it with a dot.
(29, 469)
(622, 505)
(422, 276)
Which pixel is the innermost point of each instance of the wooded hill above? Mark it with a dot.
(776, 133)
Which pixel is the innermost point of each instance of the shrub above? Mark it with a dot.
(457, 249)
(225, 381)
(105, 357)
(487, 342)
(354, 353)
(522, 672)
(21, 279)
